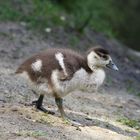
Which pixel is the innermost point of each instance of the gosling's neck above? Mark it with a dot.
(99, 75)
(96, 68)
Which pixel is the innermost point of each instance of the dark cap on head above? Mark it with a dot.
(100, 50)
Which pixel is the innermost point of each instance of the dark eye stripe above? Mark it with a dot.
(105, 57)
(102, 55)
(101, 51)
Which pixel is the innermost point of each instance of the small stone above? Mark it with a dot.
(3, 106)
(20, 113)
(137, 71)
(48, 30)
(1, 100)
(78, 128)
(13, 123)
(126, 59)
(62, 18)
(23, 23)
(89, 119)
(6, 91)
(14, 108)
(28, 116)
(2, 111)
(87, 113)
(33, 120)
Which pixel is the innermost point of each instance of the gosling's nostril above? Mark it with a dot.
(112, 65)
(110, 62)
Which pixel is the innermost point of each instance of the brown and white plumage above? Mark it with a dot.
(57, 72)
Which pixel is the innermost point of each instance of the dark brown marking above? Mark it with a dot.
(101, 52)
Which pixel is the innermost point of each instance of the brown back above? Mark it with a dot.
(72, 60)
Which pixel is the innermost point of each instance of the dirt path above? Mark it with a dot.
(98, 112)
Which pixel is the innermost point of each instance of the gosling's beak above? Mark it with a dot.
(111, 65)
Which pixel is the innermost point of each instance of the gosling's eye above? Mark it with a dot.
(95, 57)
(104, 57)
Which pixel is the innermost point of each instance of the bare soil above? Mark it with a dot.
(98, 112)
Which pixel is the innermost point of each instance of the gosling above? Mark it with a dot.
(57, 72)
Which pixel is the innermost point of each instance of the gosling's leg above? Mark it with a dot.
(38, 105)
(59, 102)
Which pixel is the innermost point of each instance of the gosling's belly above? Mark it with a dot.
(81, 81)
(65, 87)
(43, 88)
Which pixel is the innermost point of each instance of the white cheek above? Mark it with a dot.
(103, 63)
(92, 59)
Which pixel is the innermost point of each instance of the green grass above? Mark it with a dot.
(109, 80)
(31, 133)
(74, 40)
(138, 138)
(129, 87)
(100, 16)
(138, 94)
(131, 123)
(7, 12)
(39, 14)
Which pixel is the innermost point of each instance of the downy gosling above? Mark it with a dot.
(57, 72)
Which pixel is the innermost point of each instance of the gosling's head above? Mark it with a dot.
(99, 58)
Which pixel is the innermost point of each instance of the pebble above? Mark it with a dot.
(78, 128)
(14, 108)
(28, 116)
(48, 30)
(87, 118)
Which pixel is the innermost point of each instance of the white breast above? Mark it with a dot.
(99, 77)
(81, 81)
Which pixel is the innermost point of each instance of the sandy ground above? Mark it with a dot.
(98, 112)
